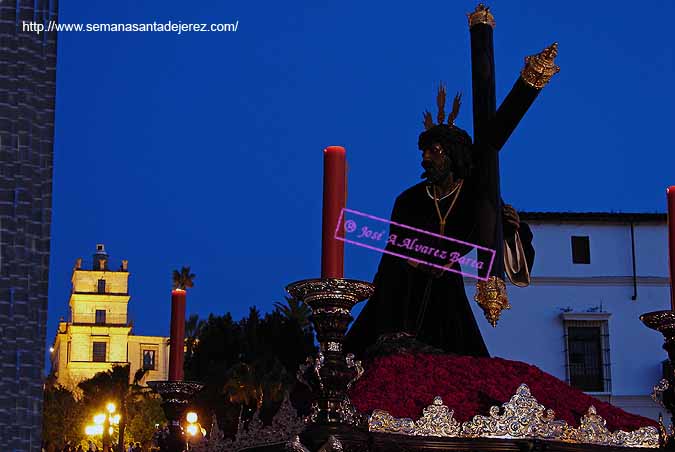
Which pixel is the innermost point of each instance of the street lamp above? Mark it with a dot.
(93, 430)
(103, 424)
(193, 428)
(191, 417)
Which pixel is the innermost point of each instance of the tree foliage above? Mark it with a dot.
(66, 414)
(193, 327)
(62, 419)
(183, 279)
(143, 414)
(113, 386)
(247, 364)
(296, 310)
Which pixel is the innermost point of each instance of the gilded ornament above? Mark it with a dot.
(481, 15)
(347, 414)
(295, 445)
(522, 417)
(593, 430)
(355, 364)
(437, 420)
(440, 102)
(311, 369)
(661, 321)
(331, 346)
(314, 411)
(178, 392)
(332, 310)
(492, 298)
(658, 390)
(665, 433)
(383, 422)
(348, 290)
(539, 68)
(332, 445)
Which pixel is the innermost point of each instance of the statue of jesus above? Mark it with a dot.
(426, 302)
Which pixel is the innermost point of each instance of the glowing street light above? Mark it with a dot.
(103, 423)
(191, 417)
(193, 428)
(93, 430)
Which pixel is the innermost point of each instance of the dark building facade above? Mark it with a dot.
(27, 95)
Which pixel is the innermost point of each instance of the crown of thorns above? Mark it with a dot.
(440, 102)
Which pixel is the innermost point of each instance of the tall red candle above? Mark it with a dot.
(177, 344)
(334, 194)
(670, 194)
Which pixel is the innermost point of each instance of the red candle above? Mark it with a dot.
(670, 194)
(177, 335)
(334, 194)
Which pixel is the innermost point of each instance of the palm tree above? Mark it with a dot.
(133, 390)
(183, 279)
(113, 384)
(241, 386)
(193, 328)
(295, 309)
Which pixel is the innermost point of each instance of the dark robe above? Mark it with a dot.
(446, 322)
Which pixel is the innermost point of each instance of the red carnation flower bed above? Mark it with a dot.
(405, 384)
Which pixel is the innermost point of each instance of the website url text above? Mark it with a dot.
(173, 27)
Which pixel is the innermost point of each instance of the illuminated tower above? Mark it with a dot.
(99, 332)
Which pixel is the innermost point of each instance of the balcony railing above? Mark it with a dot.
(108, 319)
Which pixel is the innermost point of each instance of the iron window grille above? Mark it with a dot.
(587, 355)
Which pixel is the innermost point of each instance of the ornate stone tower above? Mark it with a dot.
(98, 333)
(98, 330)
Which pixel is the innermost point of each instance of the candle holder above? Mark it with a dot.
(664, 392)
(176, 396)
(331, 373)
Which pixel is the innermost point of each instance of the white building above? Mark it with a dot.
(594, 275)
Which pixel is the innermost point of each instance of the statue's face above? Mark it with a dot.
(436, 163)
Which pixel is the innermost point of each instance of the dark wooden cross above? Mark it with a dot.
(492, 127)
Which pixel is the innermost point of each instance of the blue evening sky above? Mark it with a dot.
(205, 149)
